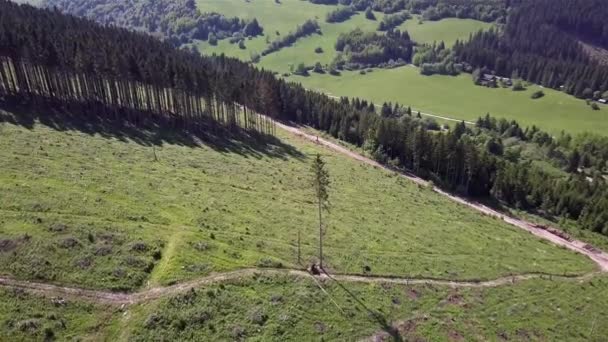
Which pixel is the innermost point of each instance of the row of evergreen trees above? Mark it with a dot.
(545, 46)
(68, 59)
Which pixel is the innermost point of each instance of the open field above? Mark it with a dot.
(99, 212)
(457, 97)
(286, 16)
(447, 30)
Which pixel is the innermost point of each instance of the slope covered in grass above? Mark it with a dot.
(284, 308)
(95, 209)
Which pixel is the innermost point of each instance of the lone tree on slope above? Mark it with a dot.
(320, 184)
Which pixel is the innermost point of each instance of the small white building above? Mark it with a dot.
(604, 101)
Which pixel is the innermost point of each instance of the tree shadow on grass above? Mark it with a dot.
(377, 316)
(153, 131)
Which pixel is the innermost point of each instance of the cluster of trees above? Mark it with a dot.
(544, 46)
(178, 21)
(386, 6)
(436, 59)
(365, 49)
(54, 59)
(340, 14)
(308, 28)
(133, 76)
(485, 10)
(391, 21)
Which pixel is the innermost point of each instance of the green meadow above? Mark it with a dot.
(453, 97)
(284, 17)
(447, 30)
(457, 97)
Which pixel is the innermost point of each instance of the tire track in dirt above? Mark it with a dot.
(116, 298)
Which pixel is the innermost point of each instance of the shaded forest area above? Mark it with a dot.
(178, 21)
(544, 46)
(60, 58)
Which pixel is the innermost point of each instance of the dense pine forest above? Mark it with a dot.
(178, 21)
(50, 59)
(546, 46)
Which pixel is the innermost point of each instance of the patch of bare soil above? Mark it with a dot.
(7, 245)
(454, 335)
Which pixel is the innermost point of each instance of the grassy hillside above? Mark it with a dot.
(282, 308)
(97, 210)
(457, 97)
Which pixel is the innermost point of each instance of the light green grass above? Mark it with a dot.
(210, 209)
(457, 97)
(26, 317)
(284, 18)
(273, 17)
(290, 13)
(295, 309)
(447, 30)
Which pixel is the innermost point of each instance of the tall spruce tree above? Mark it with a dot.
(320, 185)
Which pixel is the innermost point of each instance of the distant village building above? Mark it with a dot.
(604, 101)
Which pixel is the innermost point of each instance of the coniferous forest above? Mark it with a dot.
(548, 47)
(50, 59)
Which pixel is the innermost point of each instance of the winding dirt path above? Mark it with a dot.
(599, 257)
(115, 298)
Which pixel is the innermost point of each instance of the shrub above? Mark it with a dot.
(139, 247)
(537, 94)
(369, 14)
(518, 86)
(257, 316)
(58, 227)
(318, 68)
(69, 242)
(267, 262)
(318, 49)
(595, 106)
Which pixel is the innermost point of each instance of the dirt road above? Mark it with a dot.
(114, 298)
(600, 258)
